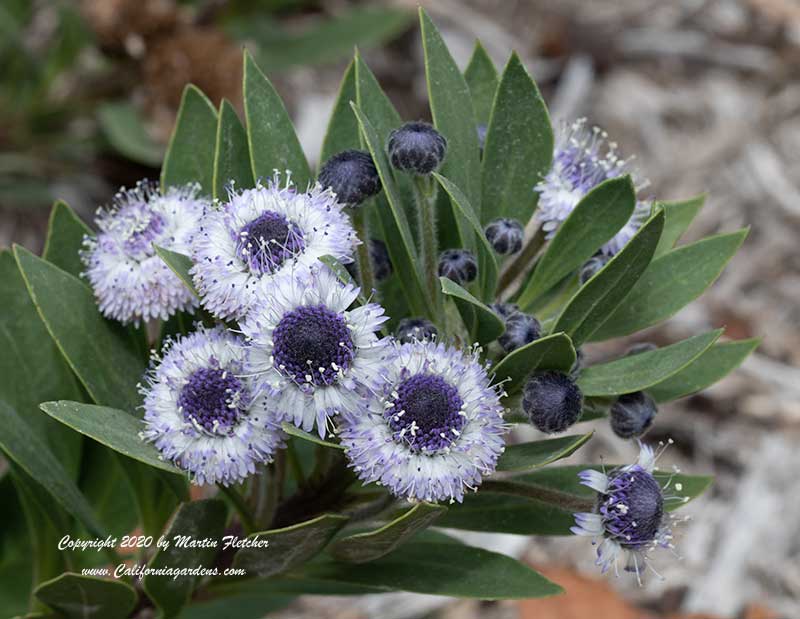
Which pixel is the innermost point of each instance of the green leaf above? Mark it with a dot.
(307, 436)
(670, 283)
(600, 296)
(440, 569)
(594, 221)
(65, 232)
(481, 77)
(487, 264)
(87, 597)
(325, 40)
(493, 512)
(124, 129)
(637, 372)
(30, 452)
(198, 520)
(372, 545)
(454, 118)
(401, 247)
(256, 605)
(713, 365)
(105, 363)
(111, 427)
(179, 264)
(553, 352)
(489, 326)
(232, 155)
(518, 149)
(270, 134)
(190, 154)
(289, 547)
(679, 215)
(342, 132)
(525, 457)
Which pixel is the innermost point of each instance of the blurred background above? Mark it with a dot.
(705, 93)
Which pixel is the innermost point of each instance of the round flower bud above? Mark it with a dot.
(552, 401)
(505, 235)
(591, 267)
(417, 147)
(640, 348)
(459, 265)
(481, 137)
(632, 414)
(580, 358)
(521, 329)
(504, 310)
(415, 329)
(351, 175)
(381, 263)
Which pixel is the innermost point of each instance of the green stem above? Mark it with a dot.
(522, 261)
(560, 499)
(277, 473)
(358, 216)
(240, 505)
(428, 242)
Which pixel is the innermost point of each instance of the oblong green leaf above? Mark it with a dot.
(31, 453)
(111, 427)
(481, 78)
(232, 155)
(594, 221)
(289, 547)
(440, 569)
(713, 365)
(180, 264)
(597, 298)
(190, 154)
(105, 363)
(488, 325)
(124, 129)
(65, 232)
(487, 264)
(271, 137)
(199, 521)
(679, 215)
(87, 597)
(670, 283)
(342, 131)
(552, 352)
(518, 149)
(371, 545)
(524, 457)
(454, 118)
(307, 436)
(637, 372)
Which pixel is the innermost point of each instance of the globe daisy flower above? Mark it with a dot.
(130, 282)
(629, 516)
(583, 159)
(313, 355)
(434, 430)
(203, 414)
(242, 246)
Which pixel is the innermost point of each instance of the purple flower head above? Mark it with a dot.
(203, 414)
(130, 282)
(260, 234)
(434, 430)
(583, 159)
(311, 354)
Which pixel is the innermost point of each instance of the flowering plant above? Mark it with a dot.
(336, 362)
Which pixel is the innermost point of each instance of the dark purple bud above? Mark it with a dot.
(504, 310)
(552, 401)
(459, 265)
(505, 235)
(592, 266)
(632, 414)
(379, 257)
(415, 329)
(521, 329)
(352, 176)
(417, 147)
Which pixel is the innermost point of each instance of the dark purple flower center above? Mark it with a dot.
(425, 413)
(312, 344)
(268, 241)
(213, 399)
(632, 508)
